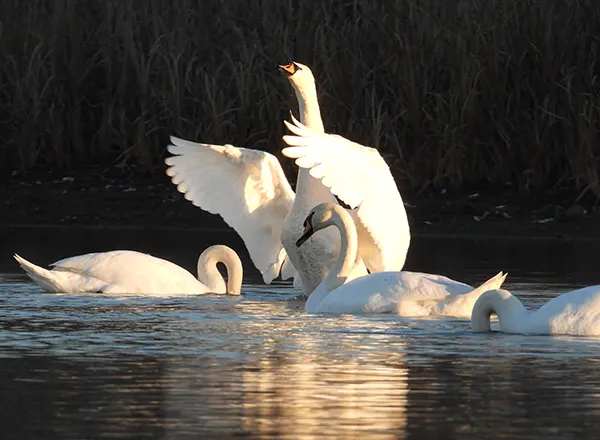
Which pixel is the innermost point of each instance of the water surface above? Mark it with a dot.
(93, 366)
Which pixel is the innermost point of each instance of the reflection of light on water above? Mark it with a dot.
(257, 365)
(289, 374)
(304, 393)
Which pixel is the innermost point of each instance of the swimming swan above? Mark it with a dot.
(572, 313)
(248, 188)
(404, 293)
(360, 177)
(135, 272)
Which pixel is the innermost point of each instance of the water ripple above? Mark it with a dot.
(90, 366)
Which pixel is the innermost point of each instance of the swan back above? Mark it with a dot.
(209, 275)
(405, 293)
(575, 313)
(131, 272)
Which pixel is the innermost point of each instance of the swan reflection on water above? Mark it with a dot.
(306, 393)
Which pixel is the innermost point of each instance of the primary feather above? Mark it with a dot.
(246, 187)
(360, 177)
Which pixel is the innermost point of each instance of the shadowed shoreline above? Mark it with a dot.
(97, 198)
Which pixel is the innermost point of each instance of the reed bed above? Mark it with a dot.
(453, 92)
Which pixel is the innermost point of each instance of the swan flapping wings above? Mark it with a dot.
(359, 176)
(246, 187)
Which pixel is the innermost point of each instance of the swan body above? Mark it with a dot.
(572, 313)
(405, 293)
(248, 188)
(124, 272)
(360, 177)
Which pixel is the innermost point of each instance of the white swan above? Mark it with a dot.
(360, 177)
(248, 188)
(135, 272)
(572, 313)
(405, 293)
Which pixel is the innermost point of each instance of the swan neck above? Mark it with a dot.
(507, 307)
(310, 115)
(310, 112)
(209, 274)
(348, 250)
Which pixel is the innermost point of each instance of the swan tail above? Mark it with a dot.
(462, 305)
(43, 277)
(60, 281)
(492, 284)
(495, 282)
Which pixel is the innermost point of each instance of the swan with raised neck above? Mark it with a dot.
(316, 258)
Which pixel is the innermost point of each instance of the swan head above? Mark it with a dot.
(320, 217)
(299, 75)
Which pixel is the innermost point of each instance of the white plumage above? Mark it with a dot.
(360, 177)
(249, 190)
(404, 293)
(135, 272)
(572, 313)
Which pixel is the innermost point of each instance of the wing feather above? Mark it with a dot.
(246, 187)
(361, 178)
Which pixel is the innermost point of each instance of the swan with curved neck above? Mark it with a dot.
(209, 275)
(572, 313)
(250, 191)
(406, 293)
(123, 272)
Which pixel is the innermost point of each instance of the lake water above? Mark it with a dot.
(93, 366)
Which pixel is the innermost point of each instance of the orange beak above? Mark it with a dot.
(288, 69)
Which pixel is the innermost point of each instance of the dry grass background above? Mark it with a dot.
(453, 92)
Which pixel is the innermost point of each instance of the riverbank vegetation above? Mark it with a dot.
(454, 93)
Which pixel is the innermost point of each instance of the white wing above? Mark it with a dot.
(246, 187)
(359, 176)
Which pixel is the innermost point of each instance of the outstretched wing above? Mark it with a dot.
(359, 176)
(246, 187)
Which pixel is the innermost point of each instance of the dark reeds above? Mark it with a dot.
(452, 92)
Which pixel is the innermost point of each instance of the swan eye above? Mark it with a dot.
(296, 67)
